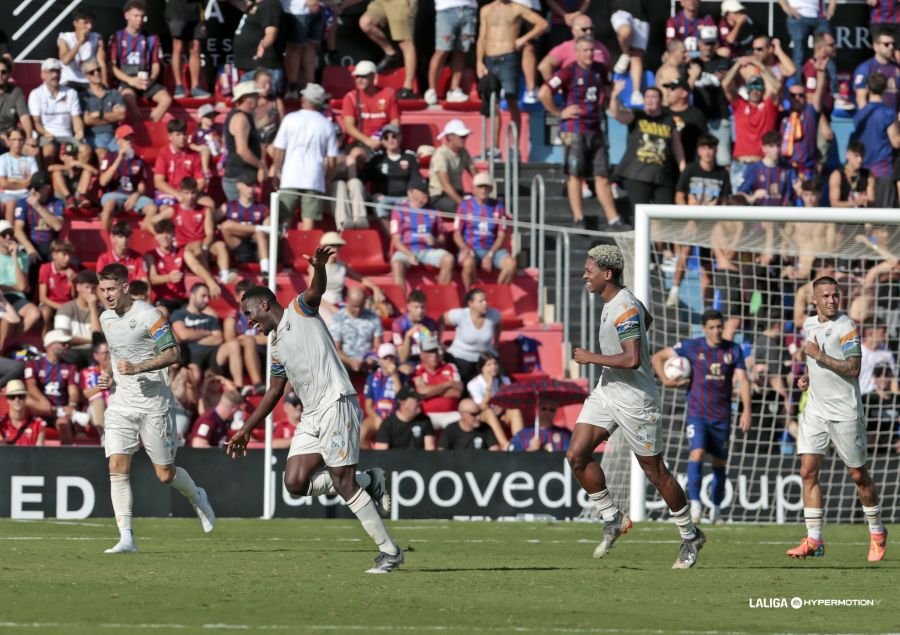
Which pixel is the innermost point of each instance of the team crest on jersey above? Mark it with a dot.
(132, 324)
(64, 373)
(827, 332)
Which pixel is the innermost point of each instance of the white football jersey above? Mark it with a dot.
(833, 397)
(141, 333)
(304, 352)
(623, 318)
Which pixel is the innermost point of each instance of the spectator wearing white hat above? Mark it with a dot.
(366, 111)
(448, 163)
(438, 384)
(55, 111)
(380, 392)
(19, 426)
(338, 272)
(479, 231)
(243, 155)
(735, 29)
(400, 17)
(304, 158)
(52, 385)
(804, 18)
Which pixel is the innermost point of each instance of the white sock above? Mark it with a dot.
(815, 518)
(322, 485)
(873, 516)
(686, 527)
(264, 265)
(361, 504)
(605, 504)
(122, 501)
(185, 485)
(696, 508)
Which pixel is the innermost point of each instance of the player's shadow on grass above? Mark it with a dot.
(491, 569)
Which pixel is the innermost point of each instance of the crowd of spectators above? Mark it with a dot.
(729, 114)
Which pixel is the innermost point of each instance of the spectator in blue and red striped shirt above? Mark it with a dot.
(479, 232)
(38, 218)
(52, 384)
(241, 225)
(685, 26)
(769, 182)
(876, 126)
(884, 17)
(134, 60)
(415, 238)
(799, 126)
(715, 363)
(584, 87)
(885, 47)
(123, 176)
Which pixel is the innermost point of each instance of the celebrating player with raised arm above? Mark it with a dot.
(626, 397)
(833, 414)
(141, 404)
(303, 353)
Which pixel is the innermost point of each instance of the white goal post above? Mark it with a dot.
(660, 225)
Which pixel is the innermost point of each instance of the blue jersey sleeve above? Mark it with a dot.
(738, 352)
(749, 179)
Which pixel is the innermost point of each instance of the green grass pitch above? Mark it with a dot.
(296, 576)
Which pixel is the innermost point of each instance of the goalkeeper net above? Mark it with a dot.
(758, 272)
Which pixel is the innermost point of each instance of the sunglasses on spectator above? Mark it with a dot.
(389, 135)
(586, 28)
(798, 95)
(3, 71)
(12, 397)
(891, 43)
(474, 413)
(91, 71)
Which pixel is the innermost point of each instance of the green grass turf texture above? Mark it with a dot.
(302, 576)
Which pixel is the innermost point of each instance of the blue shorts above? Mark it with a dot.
(506, 68)
(455, 29)
(499, 256)
(105, 140)
(121, 197)
(430, 256)
(711, 437)
(165, 199)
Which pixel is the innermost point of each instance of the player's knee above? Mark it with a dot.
(809, 473)
(296, 484)
(859, 475)
(577, 459)
(165, 473)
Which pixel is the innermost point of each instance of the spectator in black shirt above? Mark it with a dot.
(255, 41)
(388, 172)
(689, 120)
(407, 427)
(705, 78)
(186, 24)
(468, 433)
(882, 412)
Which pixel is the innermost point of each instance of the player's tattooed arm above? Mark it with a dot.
(163, 359)
(848, 367)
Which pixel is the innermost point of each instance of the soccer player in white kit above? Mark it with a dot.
(833, 414)
(141, 405)
(303, 353)
(626, 398)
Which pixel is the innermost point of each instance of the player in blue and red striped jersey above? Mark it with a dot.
(88, 380)
(479, 232)
(242, 226)
(875, 125)
(415, 236)
(770, 182)
(883, 62)
(685, 26)
(715, 363)
(584, 86)
(123, 177)
(53, 385)
(800, 124)
(38, 218)
(134, 60)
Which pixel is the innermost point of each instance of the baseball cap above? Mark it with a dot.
(756, 82)
(124, 131)
(54, 336)
(206, 110)
(364, 68)
(407, 392)
(678, 83)
(416, 182)
(39, 180)
(732, 6)
(390, 128)
(5, 226)
(332, 239)
(387, 350)
(314, 94)
(454, 126)
(15, 387)
(482, 178)
(709, 33)
(430, 345)
(51, 64)
(243, 90)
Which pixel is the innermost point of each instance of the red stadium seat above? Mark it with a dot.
(394, 79)
(90, 242)
(364, 251)
(299, 242)
(337, 81)
(142, 241)
(499, 296)
(409, 105)
(150, 138)
(441, 298)
(225, 304)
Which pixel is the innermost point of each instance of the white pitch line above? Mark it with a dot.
(43, 34)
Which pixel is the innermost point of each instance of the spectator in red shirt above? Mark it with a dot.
(121, 254)
(166, 268)
(211, 429)
(195, 230)
(175, 163)
(19, 427)
(439, 384)
(55, 280)
(366, 111)
(53, 385)
(134, 59)
(753, 116)
(123, 177)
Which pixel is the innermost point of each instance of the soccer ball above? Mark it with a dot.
(677, 367)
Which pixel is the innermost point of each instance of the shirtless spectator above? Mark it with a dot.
(808, 240)
(674, 66)
(499, 47)
(134, 57)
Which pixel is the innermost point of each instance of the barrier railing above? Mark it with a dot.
(511, 181)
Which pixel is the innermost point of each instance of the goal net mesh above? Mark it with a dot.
(759, 276)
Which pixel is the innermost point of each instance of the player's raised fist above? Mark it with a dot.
(320, 258)
(582, 356)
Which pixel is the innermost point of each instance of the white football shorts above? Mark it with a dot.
(332, 432)
(849, 438)
(641, 427)
(125, 431)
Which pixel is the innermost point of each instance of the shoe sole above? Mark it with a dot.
(626, 526)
